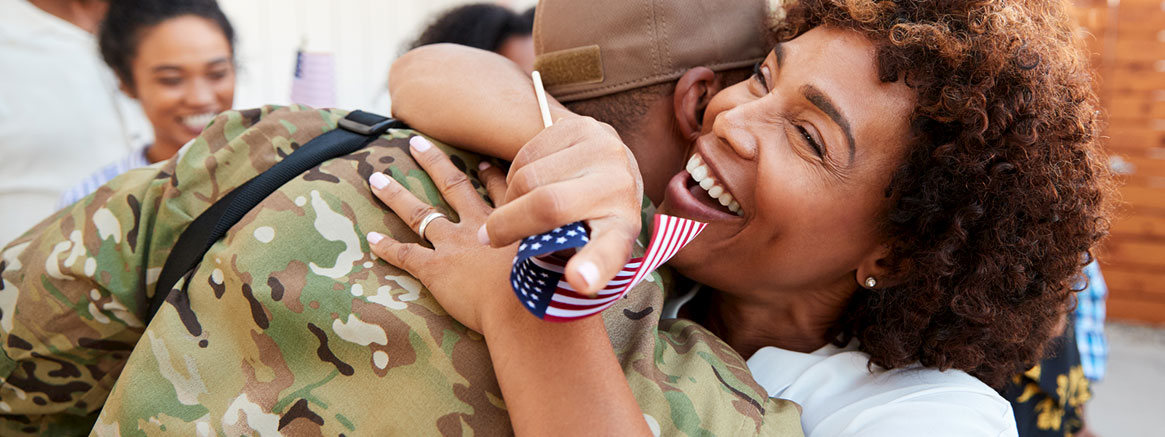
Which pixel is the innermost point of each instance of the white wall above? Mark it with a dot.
(364, 36)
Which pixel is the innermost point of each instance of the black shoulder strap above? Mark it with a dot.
(356, 130)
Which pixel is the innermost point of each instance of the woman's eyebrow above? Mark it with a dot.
(822, 102)
(779, 53)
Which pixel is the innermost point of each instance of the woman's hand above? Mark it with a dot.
(467, 278)
(576, 170)
(556, 378)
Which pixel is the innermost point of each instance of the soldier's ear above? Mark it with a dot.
(693, 92)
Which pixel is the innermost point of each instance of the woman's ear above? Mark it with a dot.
(876, 271)
(128, 90)
(693, 92)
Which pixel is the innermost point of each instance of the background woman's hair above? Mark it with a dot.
(482, 25)
(127, 20)
(1004, 190)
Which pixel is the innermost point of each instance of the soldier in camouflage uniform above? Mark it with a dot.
(291, 327)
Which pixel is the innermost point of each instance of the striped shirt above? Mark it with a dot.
(94, 181)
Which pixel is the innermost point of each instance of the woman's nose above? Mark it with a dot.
(732, 128)
(200, 94)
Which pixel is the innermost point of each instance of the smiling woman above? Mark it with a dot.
(176, 57)
(897, 203)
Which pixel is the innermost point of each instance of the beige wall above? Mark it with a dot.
(364, 36)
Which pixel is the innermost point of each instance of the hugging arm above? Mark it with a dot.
(576, 170)
(473, 99)
(557, 379)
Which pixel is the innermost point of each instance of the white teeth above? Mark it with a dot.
(700, 172)
(198, 121)
(701, 175)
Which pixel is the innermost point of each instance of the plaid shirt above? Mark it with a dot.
(1090, 324)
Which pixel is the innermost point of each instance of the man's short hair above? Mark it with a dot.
(625, 110)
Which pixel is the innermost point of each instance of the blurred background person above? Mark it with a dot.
(176, 57)
(61, 114)
(488, 27)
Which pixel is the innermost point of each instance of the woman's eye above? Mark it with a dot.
(758, 73)
(216, 75)
(170, 81)
(811, 141)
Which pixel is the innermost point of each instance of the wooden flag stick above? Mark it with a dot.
(541, 93)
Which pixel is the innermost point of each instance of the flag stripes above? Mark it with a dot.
(538, 281)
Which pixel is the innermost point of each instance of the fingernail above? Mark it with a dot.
(379, 180)
(589, 272)
(483, 236)
(420, 144)
(483, 166)
(375, 237)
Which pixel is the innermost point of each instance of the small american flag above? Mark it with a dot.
(315, 80)
(537, 276)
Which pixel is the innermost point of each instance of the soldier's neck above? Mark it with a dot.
(659, 148)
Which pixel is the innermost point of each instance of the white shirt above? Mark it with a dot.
(61, 114)
(839, 396)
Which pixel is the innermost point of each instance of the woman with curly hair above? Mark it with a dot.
(898, 202)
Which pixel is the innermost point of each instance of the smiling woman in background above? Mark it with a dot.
(177, 59)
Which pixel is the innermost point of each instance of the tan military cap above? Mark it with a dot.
(591, 48)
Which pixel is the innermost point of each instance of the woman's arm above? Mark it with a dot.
(560, 378)
(482, 102)
(474, 99)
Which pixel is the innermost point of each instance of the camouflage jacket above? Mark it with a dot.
(290, 326)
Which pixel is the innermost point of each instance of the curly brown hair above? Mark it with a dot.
(1004, 191)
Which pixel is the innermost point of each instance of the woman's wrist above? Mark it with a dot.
(504, 315)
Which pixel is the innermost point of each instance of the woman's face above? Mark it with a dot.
(798, 159)
(183, 75)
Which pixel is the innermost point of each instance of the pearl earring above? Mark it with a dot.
(871, 282)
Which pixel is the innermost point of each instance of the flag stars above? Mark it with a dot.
(560, 240)
(546, 237)
(536, 246)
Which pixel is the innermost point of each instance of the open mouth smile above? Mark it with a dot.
(197, 122)
(713, 191)
(698, 193)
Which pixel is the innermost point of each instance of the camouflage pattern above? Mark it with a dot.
(291, 326)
